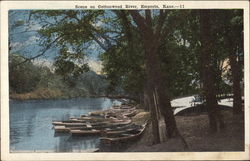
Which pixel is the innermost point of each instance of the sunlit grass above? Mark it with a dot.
(40, 93)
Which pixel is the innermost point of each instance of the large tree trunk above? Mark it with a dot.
(237, 101)
(153, 116)
(215, 118)
(151, 40)
(232, 46)
(157, 85)
(146, 99)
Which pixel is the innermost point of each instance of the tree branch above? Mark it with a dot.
(42, 53)
(99, 42)
(91, 28)
(140, 21)
(127, 27)
(148, 18)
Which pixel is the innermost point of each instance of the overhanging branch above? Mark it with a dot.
(41, 54)
(140, 21)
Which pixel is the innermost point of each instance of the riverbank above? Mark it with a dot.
(195, 131)
(47, 94)
(41, 93)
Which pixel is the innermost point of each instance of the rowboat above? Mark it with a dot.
(126, 107)
(119, 123)
(116, 107)
(130, 114)
(113, 122)
(74, 123)
(83, 115)
(76, 119)
(124, 137)
(102, 127)
(85, 132)
(98, 132)
(68, 121)
(120, 132)
(64, 123)
(123, 127)
(93, 119)
(99, 114)
(61, 129)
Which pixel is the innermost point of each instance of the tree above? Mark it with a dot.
(152, 40)
(69, 65)
(179, 61)
(94, 84)
(163, 45)
(234, 43)
(68, 25)
(124, 63)
(23, 78)
(215, 118)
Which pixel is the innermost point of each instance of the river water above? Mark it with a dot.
(31, 128)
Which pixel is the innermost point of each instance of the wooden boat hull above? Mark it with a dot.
(85, 132)
(111, 122)
(104, 127)
(124, 137)
(118, 133)
(130, 114)
(68, 122)
(61, 129)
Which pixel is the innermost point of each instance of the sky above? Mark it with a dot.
(24, 40)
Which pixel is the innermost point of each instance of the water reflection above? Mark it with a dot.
(68, 143)
(31, 128)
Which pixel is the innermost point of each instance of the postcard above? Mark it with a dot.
(124, 80)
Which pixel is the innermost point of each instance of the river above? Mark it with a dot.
(31, 128)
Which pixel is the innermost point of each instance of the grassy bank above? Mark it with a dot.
(41, 93)
(45, 93)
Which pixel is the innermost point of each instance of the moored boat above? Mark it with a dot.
(85, 132)
(120, 132)
(103, 127)
(113, 122)
(124, 137)
(63, 123)
(130, 113)
(61, 129)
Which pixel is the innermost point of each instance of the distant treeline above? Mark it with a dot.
(30, 81)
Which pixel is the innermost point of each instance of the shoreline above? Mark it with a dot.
(62, 98)
(191, 131)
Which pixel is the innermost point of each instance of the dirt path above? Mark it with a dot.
(195, 131)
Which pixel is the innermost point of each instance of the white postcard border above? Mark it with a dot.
(6, 155)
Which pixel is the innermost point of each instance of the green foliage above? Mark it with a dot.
(22, 78)
(188, 34)
(69, 65)
(124, 65)
(27, 77)
(69, 27)
(73, 31)
(92, 83)
(29, 81)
